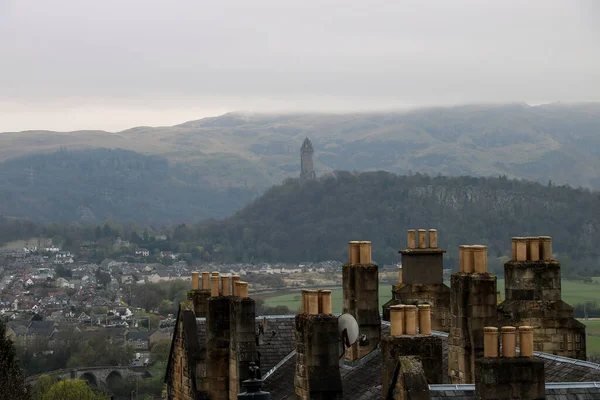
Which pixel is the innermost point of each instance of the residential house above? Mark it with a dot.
(161, 334)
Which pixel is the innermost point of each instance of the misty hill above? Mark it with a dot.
(91, 185)
(316, 219)
(255, 151)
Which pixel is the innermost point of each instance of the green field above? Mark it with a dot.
(573, 292)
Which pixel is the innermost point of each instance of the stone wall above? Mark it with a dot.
(242, 345)
(427, 348)
(436, 295)
(361, 300)
(519, 378)
(533, 297)
(473, 307)
(217, 347)
(317, 358)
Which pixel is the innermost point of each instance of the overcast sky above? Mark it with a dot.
(114, 64)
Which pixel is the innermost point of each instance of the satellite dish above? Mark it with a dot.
(348, 329)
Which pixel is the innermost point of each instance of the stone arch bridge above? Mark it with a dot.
(101, 378)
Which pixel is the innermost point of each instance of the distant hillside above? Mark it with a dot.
(91, 185)
(315, 220)
(549, 142)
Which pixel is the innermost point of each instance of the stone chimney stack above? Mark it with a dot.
(198, 295)
(242, 344)
(361, 298)
(421, 278)
(509, 376)
(318, 349)
(473, 307)
(533, 297)
(405, 340)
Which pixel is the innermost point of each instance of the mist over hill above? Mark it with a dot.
(254, 151)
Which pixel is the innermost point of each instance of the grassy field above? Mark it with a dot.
(573, 292)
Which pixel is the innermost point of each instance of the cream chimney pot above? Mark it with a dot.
(509, 343)
(195, 281)
(422, 239)
(411, 238)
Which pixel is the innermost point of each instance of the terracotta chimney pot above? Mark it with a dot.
(468, 259)
(479, 258)
(433, 243)
(410, 319)
(422, 239)
(205, 281)
(411, 238)
(490, 341)
(312, 302)
(526, 341)
(195, 281)
(234, 288)
(397, 320)
(243, 289)
(546, 246)
(365, 252)
(353, 252)
(424, 319)
(521, 248)
(509, 343)
(325, 302)
(225, 285)
(214, 285)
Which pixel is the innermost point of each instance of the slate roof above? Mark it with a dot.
(588, 391)
(278, 340)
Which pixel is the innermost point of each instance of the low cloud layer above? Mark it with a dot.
(114, 64)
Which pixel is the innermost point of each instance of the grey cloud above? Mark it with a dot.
(304, 54)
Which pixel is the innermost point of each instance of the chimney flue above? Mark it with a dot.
(195, 281)
(433, 244)
(479, 258)
(242, 289)
(546, 245)
(526, 341)
(534, 248)
(411, 238)
(469, 262)
(399, 274)
(422, 239)
(424, 319)
(397, 320)
(509, 343)
(312, 302)
(225, 285)
(234, 280)
(214, 285)
(490, 341)
(205, 281)
(521, 248)
(325, 302)
(353, 252)
(461, 258)
(410, 319)
(365, 253)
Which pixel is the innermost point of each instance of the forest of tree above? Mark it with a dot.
(314, 221)
(91, 185)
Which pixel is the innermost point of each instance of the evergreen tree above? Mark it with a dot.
(12, 381)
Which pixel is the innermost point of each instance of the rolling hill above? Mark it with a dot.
(254, 151)
(314, 220)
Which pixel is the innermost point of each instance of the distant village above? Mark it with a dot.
(49, 296)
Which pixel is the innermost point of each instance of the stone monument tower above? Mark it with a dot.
(307, 170)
